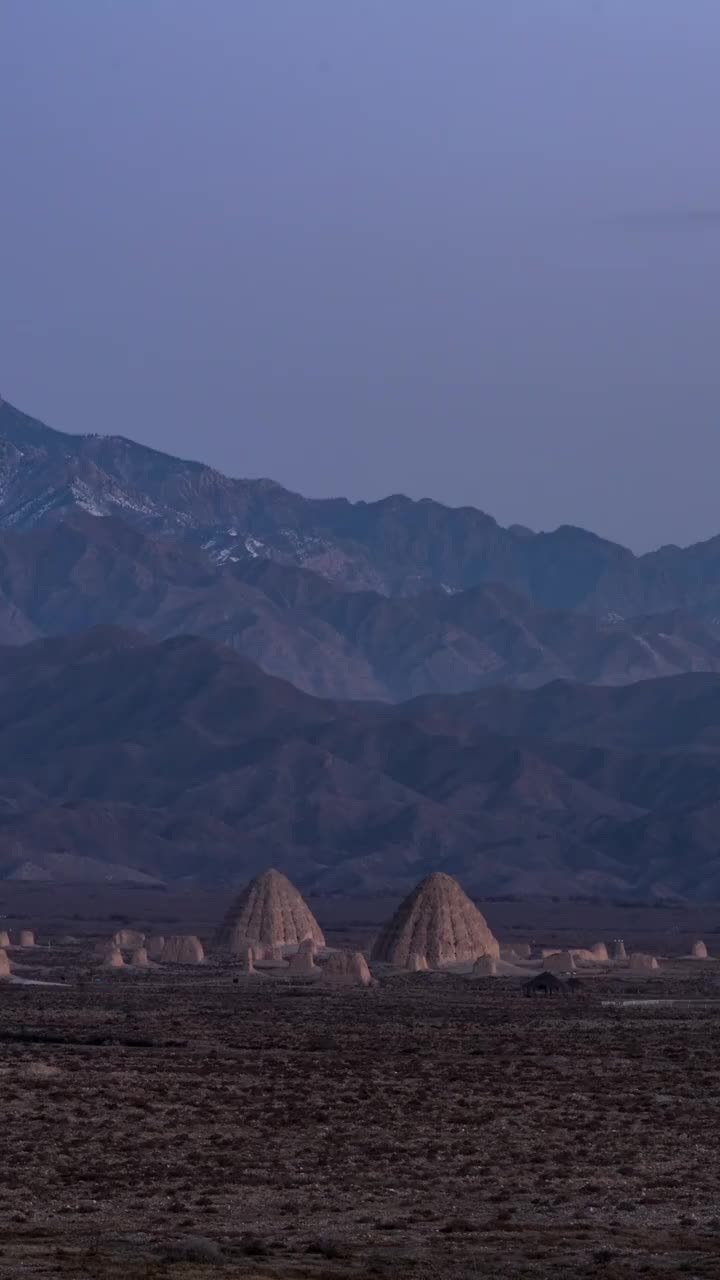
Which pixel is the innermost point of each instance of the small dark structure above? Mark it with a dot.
(546, 984)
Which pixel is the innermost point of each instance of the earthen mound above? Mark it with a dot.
(642, 963)
(260, 952)
(248, 960)
(485, 967)
(4, 938)
(699, 951)
(600, 952)
(155, 947)
(4, 964)
(417, 963)
(27, 938)
(271, 911)
(183, 949)
(113, 958)
(349, 967)
(619, 952)
(139, 958)
(583, 955)
(129, 939)
(438, 922)
(303, 962)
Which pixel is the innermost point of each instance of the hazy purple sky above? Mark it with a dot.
(460, 248)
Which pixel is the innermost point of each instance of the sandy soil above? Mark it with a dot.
(182, 1124)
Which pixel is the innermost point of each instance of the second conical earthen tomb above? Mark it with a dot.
(437, 923)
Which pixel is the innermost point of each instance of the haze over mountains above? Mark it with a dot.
(142, 740)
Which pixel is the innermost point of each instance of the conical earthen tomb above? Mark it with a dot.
(269, 911)
(437, 924)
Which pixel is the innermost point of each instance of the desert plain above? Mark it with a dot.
(193, 1121)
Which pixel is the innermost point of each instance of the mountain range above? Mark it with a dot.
(99, 530)
(127, 760)
(396, 547)
(330, 642)
(202, 676)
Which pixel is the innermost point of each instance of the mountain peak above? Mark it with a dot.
(394, 546)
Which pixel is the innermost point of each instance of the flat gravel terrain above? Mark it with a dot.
(182, 1124)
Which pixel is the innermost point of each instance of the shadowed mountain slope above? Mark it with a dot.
(122, 758)
(88, 571)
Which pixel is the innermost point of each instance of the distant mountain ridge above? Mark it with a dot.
(124, 760)
(88, 571)
(140, 740)
(395, 547)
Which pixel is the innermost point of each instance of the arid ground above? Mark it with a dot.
(181, 1123)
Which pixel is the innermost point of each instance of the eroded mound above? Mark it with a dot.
(270, 911)
(437, 923)
(4, 964)
(183, 949)
(113, 958)
(128, 939)
(303, 962)
(348, 967)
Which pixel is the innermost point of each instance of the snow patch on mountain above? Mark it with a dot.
(120, 499)
(86, 499)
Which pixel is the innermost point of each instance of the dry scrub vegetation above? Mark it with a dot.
(429, 1127)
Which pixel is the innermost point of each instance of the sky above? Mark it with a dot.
(464, 249)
